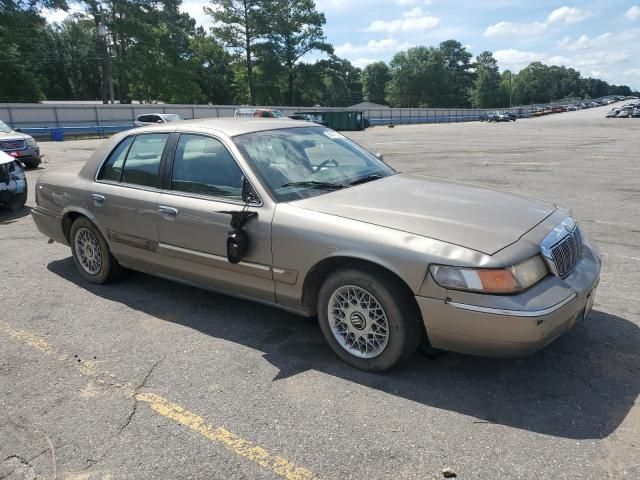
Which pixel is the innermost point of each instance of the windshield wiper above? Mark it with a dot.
(315, 184)
(368, 178)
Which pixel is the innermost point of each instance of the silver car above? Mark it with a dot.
(300, 217)
(156, 119)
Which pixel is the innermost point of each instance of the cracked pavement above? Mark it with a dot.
(84, 364)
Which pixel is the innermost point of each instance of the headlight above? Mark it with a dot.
(30, 142)
(491, 280)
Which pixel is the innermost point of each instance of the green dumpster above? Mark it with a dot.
(341, 120)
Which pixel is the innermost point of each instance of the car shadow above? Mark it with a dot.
(7, 216)
(581, 387)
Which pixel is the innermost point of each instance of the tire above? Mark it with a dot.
(91, 253)
(397, 309)
(18, 202)
(31, 163)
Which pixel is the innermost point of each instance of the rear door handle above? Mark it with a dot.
(98, 199)
(169, 213)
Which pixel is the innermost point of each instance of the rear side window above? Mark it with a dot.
(143, 161)
(112, 168)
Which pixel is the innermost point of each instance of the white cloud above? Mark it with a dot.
(568, 15)
(513, 28)
(613, 41)
(633, 13)
(58, 16)
(517, 59)
(562, 15)
(363, 62)
(411, 3)
(372, 46)
(413, 13)
(404, 24)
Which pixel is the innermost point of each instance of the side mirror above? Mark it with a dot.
(248, 194)
(160, 121)
(380, 156)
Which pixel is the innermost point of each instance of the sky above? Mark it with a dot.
(600, 38)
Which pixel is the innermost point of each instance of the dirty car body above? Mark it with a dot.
(323, 227)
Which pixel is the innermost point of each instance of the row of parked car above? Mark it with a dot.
(245, 112)
(548, 109)
(626, 111)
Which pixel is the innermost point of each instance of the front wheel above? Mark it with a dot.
(369, 319)
(91, 253)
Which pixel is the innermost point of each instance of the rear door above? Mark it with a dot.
(125, 196)
(204, 181)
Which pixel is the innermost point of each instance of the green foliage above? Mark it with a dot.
(418, 78)
(487, 89)
(375, 77)
(295, 29)
(240, 25)
(459, 77)
(255, 53)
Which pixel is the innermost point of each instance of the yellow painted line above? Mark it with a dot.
(235, 443)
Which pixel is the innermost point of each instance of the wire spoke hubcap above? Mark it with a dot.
(358, 321)
(88, 251)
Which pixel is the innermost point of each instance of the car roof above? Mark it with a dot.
(231, 126)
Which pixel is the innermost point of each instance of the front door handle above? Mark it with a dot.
(98, 199)
(169, 213)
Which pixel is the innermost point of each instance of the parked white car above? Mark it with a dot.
(156, 118)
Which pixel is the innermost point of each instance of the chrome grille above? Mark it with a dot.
(12, 145)
(566, 252)
(562, 248)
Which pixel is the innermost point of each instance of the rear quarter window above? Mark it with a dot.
(112, 169)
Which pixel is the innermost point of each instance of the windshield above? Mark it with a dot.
(297, 163)
(278, 114)
(4, 128)
(171, 117)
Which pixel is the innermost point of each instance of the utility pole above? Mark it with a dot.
(107, 78)
(510, 75)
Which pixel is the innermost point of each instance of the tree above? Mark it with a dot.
(375, 77)
(487, 91)
(459, 75)
(240, 25)
(295, 29)
(418, 78)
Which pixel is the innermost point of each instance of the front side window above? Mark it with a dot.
(143, 160)
(297, 163)
(204, 166)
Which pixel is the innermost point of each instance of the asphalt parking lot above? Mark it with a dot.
(145, 378)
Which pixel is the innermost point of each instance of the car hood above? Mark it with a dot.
(473, 217)
(13, 136)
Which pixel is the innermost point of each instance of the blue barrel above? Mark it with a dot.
(57, 135)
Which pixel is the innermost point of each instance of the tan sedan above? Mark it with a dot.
(300, 217)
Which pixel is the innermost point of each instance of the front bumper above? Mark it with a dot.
(27, 154)
(515, 325)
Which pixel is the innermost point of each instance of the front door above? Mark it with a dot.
(205, 181)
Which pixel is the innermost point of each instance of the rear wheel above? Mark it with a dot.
(91, 253)
(369, 319)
